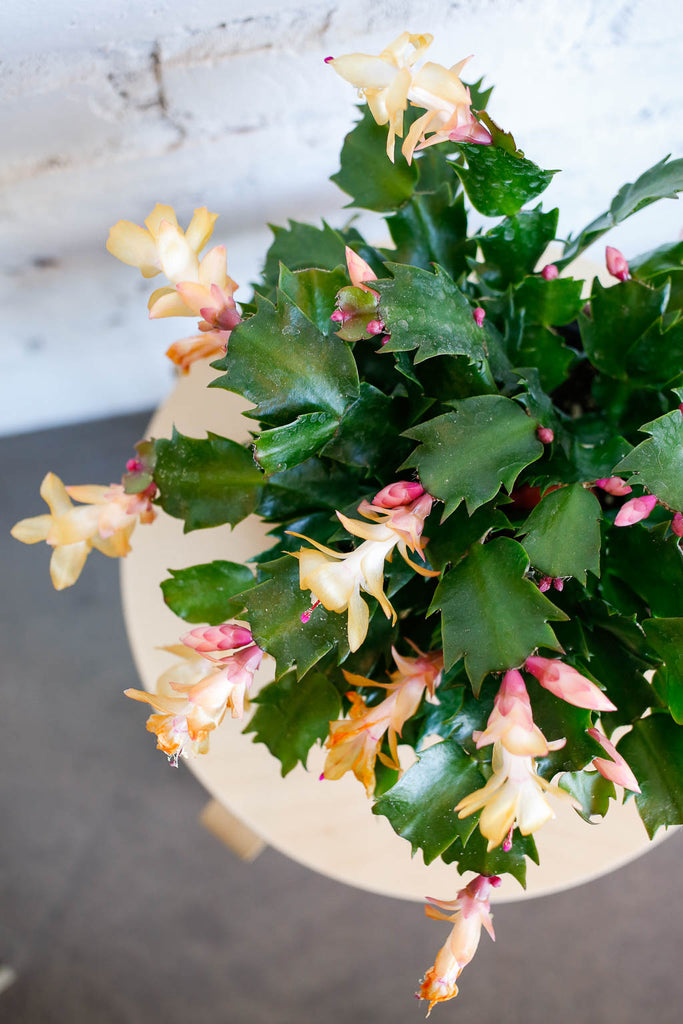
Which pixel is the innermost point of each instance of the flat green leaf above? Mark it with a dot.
(293, 714)
(543, 350)
(314, 293)
(274, 609)
(280, 361)
(620, 315)
(657, 463)
(491, 614)
(206, 482)
(301, 246)
(654, 750)
(432, 228)
(284, 447)
(662, 181)
(591, 790)
(512, 248)
(368, 436)
(669, 688)
(204, 593)
(315, 484)
(428, 312)
(618, 668)
(367, 174)
(650, 563)
(475, 857)
(468, 454)
(563, 533)
(665, 636)
(659, 262)
(498, 183)
(420, 805)
(556, 719)
(551, 303)
(656, 359)
(450, 540)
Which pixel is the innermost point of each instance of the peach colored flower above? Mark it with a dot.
(161, 244)
(104, 521)
(448, 103)
(336, 579)
(355, 743)
(468, 912)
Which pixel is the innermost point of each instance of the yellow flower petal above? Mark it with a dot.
(53, 491)
(67, 563)
(178, 261)
(169, 304)
(359, 618)
(200, 228)
(31, 531)
(133, 245)
(159, 213)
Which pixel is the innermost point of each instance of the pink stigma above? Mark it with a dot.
(507, 842)
(327, 60)
(478, 316)
(550, 272)
(321, 777)
(305, 616)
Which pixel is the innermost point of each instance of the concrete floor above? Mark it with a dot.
(116, 907)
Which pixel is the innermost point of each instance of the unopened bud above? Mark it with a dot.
(403, 492)
(613, 485)
(677, 524)
(545, 583)
(616, 264)
(375, 327)
(479, 315)
(558, 583)
(550, 272)
(635, 510)
(545, 434)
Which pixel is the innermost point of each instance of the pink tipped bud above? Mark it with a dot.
(550, 272)
(545, 434)
(635, 510)
(616, 264)
(613, 485)
(386, 339)
(507, 842)
(471, 131)
(677, 524)
(328, 60)
(403, 492)
(359, 271)
(339, 317)
(568, 684)
(375, 327)
(558, 583)
(134, 466)
(616, 769)
(545, 583)
(479, 315)
(680, 408)
(209, 639)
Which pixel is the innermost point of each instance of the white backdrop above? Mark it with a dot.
(111, 105)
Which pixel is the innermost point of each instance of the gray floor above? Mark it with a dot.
(117, 908)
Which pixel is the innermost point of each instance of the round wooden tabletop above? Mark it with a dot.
(327, 826)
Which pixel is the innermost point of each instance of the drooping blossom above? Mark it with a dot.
(336, 579)
(514, 796)
(617, 264)
(162, 239)
(468, 912)
(448, 105)
(614, 767)
(568, 684)
(614, 485)
(214, 674)
(385, 80)
(104, 521)
(635, 510)
(355, 743)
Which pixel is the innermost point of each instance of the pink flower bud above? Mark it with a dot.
(677, 524)
(339, 317)
(550, 272)
(545, 434)
(558, 583)
(134, 466)
(616, 769)
(635, 510)
(359, 271)
(403, 492)
(479, 315)
(568, 684)
(545, 583)
(375, 327)
(613, 485)
(226, 637)
(616, 264)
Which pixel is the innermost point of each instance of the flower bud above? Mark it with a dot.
(403, 492)
(545, 434)
(613, 485)
(550, 272)
(635, 510)
(677, 524)
(226, 637)
(616, 264)
(568, 684)
(479, 315)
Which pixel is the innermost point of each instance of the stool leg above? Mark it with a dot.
(231, 831)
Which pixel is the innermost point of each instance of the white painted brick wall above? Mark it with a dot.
(110, 105)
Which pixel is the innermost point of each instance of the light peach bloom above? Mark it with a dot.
(568, 684)
(448, 103)
(104, 521)
(336, 579)
(511, 721)
(161, 241)
(355, 743)
(199, 346)
(468, 912)
(614, 767)
(384, 81)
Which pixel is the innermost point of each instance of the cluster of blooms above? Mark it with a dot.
(354, 744)
(514, 796)
(200, 288)
(398, 514)
(215, 672)
(104, 520)
(468, 911)
(389, 83)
